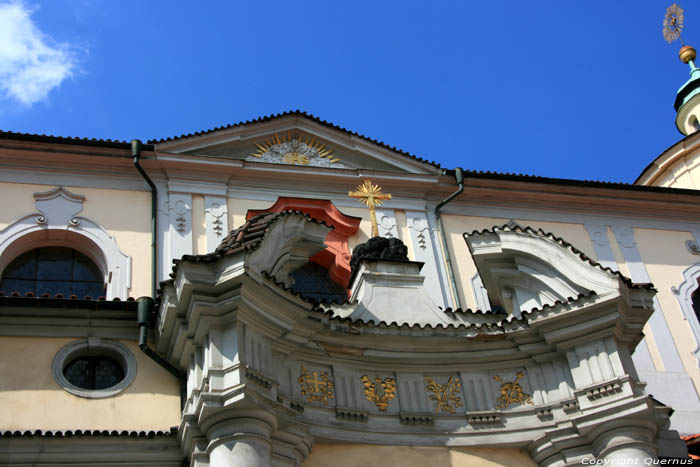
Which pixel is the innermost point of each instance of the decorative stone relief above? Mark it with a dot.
(692, 247)
(180, 207)
(379, 391)
(216, 220)
(164, 259)
(424, 251)
(386, 221)
(295, 150)
(446, 396)
(512, 393)
(315, 386)
(58, 207)
(598, 233)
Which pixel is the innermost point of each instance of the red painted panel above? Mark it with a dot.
(336, 256)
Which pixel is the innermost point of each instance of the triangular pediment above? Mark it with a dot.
(296, 138)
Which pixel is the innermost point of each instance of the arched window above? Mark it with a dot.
(313, 281)
(53, 270)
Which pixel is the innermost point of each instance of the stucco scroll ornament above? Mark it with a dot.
(445, 395)
(512, 393)
(692, 247)
(380, 392)
(316, 386)
(217, 211)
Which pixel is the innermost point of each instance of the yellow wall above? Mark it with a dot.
(367, 455)
(666, 257)
(31, 399)
(125, 215)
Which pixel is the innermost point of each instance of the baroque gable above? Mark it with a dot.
(296, 138)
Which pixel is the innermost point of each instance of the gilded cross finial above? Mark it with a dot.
(371, 196)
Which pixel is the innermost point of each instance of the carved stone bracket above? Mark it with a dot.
(570, 406)
(484, 418)
(545, 414)
(604, 390)
(416, 419)
(351, 415)
(259, 378)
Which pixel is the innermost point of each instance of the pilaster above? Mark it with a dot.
(216, 220)
(180, 225)
(425, 251)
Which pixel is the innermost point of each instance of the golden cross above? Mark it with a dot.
(315, 381)
(371, 196)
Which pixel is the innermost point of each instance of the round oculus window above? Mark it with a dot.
(94, 368)
(94, 372)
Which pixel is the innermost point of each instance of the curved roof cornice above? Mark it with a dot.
(656, 168)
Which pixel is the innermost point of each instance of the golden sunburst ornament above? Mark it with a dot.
(673, 23)
(294, 149)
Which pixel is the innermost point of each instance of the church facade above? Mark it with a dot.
(285, 292)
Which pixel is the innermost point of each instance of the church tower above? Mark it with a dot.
(687, 102)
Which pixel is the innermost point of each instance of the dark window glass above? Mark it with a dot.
(312, 281)
(695, 297)
(53, 270)
(93, 372)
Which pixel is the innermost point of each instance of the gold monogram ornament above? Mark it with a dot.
(512, 393)
(382, 396)
(446, 395)
(316, 386)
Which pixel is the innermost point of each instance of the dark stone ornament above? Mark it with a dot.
(376, 248)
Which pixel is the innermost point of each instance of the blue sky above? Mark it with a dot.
(566, 89)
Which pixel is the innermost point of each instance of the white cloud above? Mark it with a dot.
(31, 62)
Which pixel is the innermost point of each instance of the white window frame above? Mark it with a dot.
(684, 294)
(57, 224)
